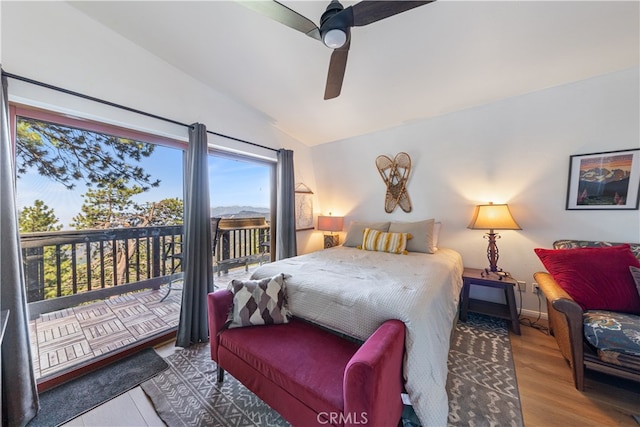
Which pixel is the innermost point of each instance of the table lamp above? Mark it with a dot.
(330, 223)
(493, 217)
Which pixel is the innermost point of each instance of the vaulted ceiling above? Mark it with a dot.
(439, 58)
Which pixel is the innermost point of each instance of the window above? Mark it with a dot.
(100, 216)
(98, 206)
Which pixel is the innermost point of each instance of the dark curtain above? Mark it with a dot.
(19, 392)
(286, 246)
(198, 275)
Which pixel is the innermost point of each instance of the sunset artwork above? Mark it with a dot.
(604, 180)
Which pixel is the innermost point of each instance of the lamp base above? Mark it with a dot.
(492, 251)
(331, 240)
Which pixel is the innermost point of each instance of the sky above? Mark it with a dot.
(231, 182)
(622, 161)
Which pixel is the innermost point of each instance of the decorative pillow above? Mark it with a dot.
(610, 331)
(570, 244)
(376, 240)
(596, 278)
(356, 230)
(259, 302)
(635, 273)
(421, 232)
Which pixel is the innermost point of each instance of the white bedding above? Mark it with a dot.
(354, 291)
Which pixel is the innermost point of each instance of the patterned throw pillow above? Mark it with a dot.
(376, 240)
(259, 302)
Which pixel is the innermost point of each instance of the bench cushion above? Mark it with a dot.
(317, 381)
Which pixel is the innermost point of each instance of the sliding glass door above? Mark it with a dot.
(241, 193)
(100, 217)
(100, 211)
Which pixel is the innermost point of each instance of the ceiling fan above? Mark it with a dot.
(335, 27)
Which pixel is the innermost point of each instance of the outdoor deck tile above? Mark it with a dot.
(72, 336)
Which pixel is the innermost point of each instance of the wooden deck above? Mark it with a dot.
(69, 337)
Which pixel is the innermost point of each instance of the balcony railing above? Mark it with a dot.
(67, 268)
(242, 241)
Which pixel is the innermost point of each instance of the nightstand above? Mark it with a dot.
(478, 277)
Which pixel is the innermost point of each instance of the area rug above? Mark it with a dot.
(481, 385)
(82, 394)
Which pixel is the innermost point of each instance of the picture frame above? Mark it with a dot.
(304, 207)
(607, 180)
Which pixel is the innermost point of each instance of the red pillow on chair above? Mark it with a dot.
(596, 278)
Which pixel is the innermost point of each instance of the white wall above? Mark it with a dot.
(514, 151)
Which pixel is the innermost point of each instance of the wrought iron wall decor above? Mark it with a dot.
(395, 174)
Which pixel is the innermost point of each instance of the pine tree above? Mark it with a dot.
(67, 155)
(41, 218)
(111, 206)
(108, 206)
(109, 167)
(38, 217)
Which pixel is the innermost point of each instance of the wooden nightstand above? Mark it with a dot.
(478, 277)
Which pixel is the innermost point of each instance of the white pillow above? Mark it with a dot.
(356, 232)
(422, 234)
(436, 234)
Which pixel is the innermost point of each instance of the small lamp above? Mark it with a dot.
(330, 223)
(493, 217)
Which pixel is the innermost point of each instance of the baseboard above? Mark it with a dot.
(534, 314)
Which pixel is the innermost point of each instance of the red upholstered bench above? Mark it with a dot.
(309, 375)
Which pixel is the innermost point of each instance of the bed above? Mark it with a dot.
(354, 291)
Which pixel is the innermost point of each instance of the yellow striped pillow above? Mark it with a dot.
(376, 240)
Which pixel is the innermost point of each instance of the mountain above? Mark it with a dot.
(240, 212)
(603, 175)
(601, 186)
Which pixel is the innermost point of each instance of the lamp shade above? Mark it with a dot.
(330, 223)
(493, 217)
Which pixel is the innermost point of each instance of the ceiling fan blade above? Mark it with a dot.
(367, 12)
(284, 15)
(337, 67)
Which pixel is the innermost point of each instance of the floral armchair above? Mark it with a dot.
(602, 340)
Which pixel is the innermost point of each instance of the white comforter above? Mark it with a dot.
(354, 291)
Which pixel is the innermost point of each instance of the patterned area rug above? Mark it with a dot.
(481, 385)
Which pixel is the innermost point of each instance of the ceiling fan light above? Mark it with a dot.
(334, 39)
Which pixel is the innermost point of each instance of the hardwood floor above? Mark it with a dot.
(547, 395)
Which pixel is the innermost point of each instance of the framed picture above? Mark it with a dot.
(304, 207)
(608, 180)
